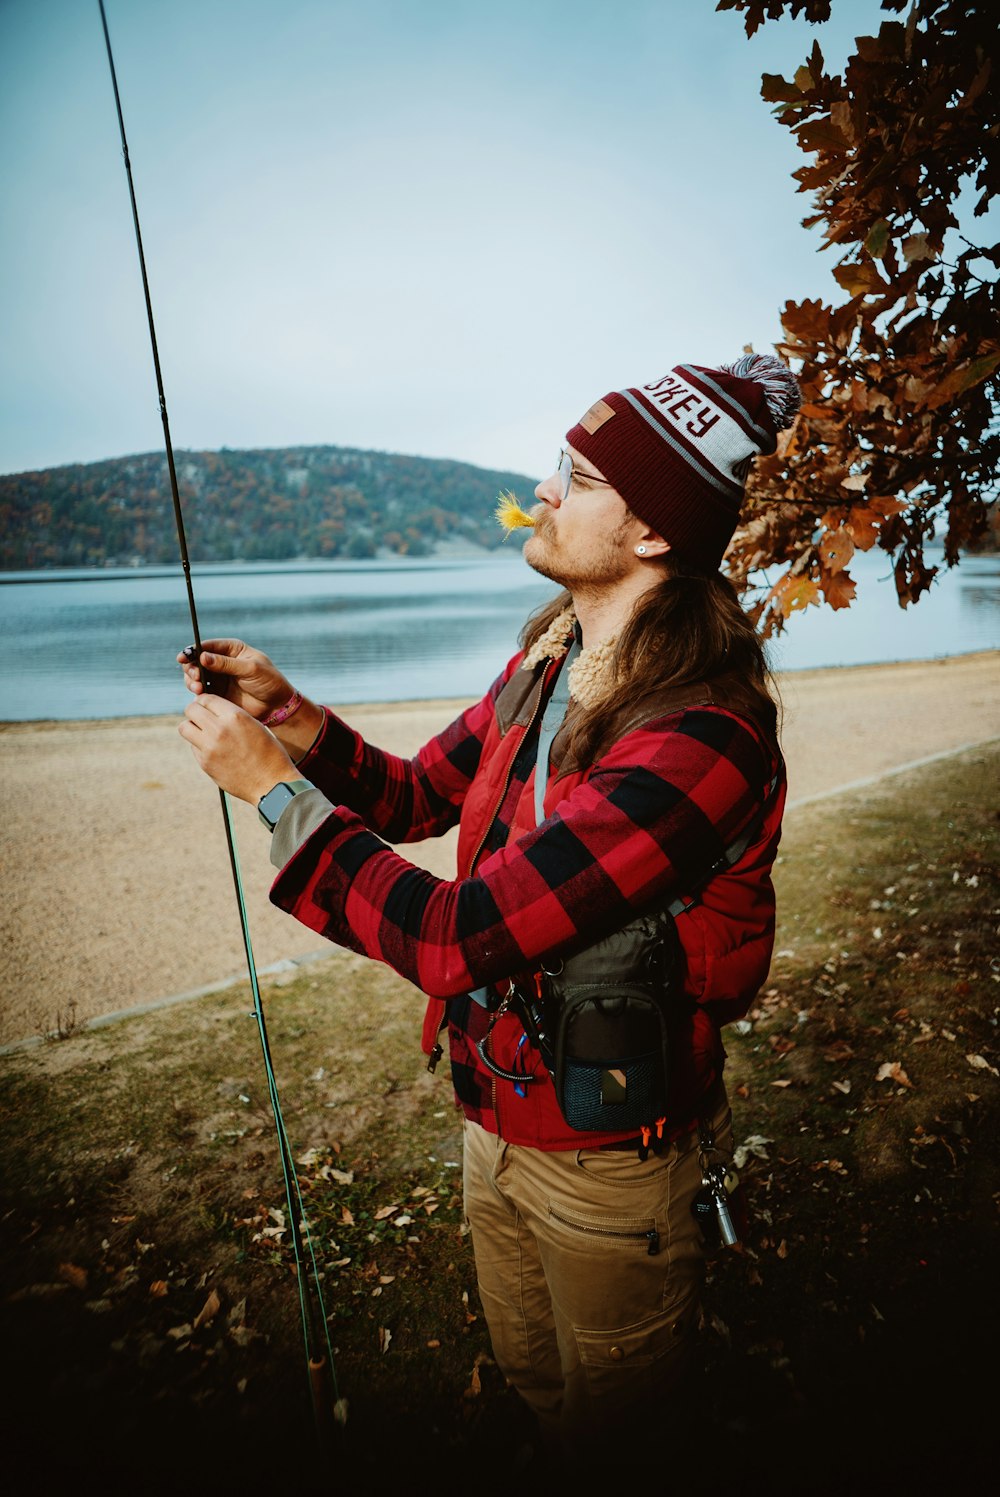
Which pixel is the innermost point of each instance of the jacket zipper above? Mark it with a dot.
(650, 1237)
(506, 780)
(494, 1099)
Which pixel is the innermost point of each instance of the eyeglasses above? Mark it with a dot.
(568, 474)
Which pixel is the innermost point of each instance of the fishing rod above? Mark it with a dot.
(326, 1403)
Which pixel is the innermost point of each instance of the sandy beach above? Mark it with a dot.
(117, 883)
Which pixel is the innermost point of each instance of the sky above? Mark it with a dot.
(435, 227)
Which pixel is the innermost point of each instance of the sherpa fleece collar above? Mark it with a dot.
(591, 676)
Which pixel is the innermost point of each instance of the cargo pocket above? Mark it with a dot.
(639, 1363)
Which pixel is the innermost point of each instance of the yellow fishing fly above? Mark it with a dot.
(510, 515)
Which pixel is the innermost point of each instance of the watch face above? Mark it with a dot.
(273, 803)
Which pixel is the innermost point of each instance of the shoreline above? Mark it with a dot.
(442, 550)
(119, 890)
(453, 704)
(49, 724)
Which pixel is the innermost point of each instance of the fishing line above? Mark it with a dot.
(322, 1374)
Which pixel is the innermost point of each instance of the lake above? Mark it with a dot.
(100, 644)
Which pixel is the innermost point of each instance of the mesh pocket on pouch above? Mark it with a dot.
(585, 1101)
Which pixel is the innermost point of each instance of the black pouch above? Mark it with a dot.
(611, 1011)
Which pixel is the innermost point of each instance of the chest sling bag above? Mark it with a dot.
(604, 1019)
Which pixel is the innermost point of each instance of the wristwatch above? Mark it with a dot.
(271, 805)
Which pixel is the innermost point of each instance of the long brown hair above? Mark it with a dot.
(689, 628)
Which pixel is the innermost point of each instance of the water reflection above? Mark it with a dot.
(986, 597)
(103, 646)
(959, 613)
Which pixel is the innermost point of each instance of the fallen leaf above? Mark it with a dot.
(718, 1325)
(980, 1063)
(384, 1337)
(275, 1233)
(158, 1288)
(73, 1274)
(385, 1211)
(340, 1411)
(756, 1145)
(208, 1311)
(342, 1177)
(243, 1335)
(891, 1070)
(346, 1216)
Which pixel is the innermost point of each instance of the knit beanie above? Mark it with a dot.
(678, 449)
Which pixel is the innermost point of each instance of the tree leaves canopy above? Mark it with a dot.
(898, 441)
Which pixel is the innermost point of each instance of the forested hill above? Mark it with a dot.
(267, 504)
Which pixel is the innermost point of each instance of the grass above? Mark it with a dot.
(150, 1313)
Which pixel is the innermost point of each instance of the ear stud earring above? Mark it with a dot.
(640, 550)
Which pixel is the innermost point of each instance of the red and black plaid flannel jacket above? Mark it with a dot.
(657, 809)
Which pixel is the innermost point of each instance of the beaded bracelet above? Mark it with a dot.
(281, 714)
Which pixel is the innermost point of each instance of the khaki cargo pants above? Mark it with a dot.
(590, 1326)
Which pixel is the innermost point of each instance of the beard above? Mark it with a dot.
(606, 563)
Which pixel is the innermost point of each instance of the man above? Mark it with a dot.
(619, 782)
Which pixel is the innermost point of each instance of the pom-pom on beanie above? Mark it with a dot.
(678, 449)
